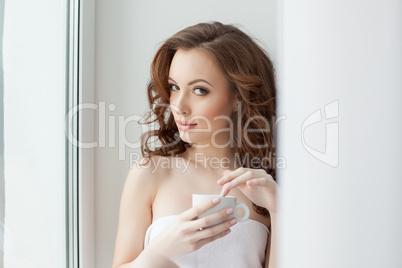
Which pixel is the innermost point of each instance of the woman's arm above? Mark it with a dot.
(135, 215)
(262, 190)
(271, 253)
(150, 261)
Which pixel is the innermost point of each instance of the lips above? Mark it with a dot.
(183, 125)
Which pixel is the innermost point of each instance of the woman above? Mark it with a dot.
(212, 93)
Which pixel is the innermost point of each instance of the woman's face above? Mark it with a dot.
(200, 98)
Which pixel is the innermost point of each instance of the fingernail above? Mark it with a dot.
(229, 211)
(234, 221)
(228, 231)
(220, 181)
(216, 200)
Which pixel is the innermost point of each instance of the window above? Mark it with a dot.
(38, 166)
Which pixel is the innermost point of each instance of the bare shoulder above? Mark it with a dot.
(148, 173)
(140, 177)
(157, 166)
(138, 194)
(153, 165)
(140, 184)
(143, 170)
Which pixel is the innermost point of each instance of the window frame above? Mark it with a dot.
(80, 161)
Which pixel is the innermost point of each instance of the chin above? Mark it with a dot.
(192, 138)
(184, 136)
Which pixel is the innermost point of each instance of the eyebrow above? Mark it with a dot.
(193, 82)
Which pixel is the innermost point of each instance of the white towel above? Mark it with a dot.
(244, 247)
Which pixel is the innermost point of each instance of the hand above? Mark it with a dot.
(256, 184)
(186, 235)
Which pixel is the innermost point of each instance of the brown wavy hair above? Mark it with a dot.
(250, 73)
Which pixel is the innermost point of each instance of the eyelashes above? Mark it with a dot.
(173, 87)
(199, 91)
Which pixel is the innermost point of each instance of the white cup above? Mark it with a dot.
(226, 202)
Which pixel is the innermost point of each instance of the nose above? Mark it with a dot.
(179, 102)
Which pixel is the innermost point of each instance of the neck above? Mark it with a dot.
(211, 157)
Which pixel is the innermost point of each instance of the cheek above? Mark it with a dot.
(213, 110)
(172, 104)
(172, 99)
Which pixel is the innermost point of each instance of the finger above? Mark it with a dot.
(231, 175)
(257, 182)
(205, 241)
(215, 230)
(213, 218)
(197, 210)
(243, 178)
(227, 171)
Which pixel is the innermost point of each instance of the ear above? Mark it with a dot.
(236, 104)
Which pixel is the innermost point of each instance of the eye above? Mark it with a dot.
(200, 91)
(174, 87)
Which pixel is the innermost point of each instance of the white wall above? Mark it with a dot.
(128, 34)
(342, 206)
